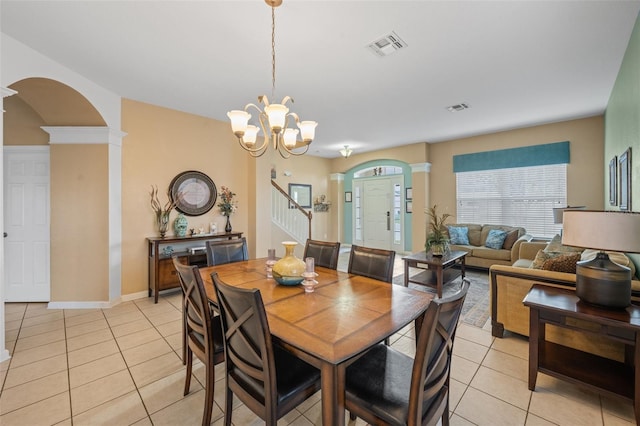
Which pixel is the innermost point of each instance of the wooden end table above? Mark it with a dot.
(441, 268)
(563, 308)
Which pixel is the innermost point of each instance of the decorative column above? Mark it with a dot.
(420, 178)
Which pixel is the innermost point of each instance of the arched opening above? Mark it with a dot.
(71, 192)
(379, 213)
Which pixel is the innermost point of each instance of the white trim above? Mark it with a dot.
(4, 355)
(83, 135)
(22, 148)
(337, 177)
(81, 305)
(420, 167)
(7, 92)
(135, 296)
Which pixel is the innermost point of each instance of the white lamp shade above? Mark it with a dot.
(602, 230)
(290, 136)
(307, 130)
(239, 120)
(250, 135)
(276, 113)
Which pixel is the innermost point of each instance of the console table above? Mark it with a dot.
(190, 250)
(563, 308)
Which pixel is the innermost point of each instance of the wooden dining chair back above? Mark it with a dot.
(269, 380)
(372, 263)
(203, 332)
(325, 253)
(227, 251)
(386, 386)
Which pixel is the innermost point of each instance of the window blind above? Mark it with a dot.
(522, 196)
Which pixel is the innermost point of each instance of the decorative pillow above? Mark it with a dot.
(459, 235)
(495, 239)
(555, 246)
(566, 262)
(510, 240)
(541, 257)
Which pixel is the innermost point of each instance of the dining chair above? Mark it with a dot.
(371, 262)
(269, 380)
(325, 253)
(226, 251)
(386, 386)
(202, 332)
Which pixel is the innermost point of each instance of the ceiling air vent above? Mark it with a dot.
(387, 45)
(458, 107)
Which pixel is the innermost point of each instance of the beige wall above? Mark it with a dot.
(160, 144)
(22, 124)
(584, 173)
(79, 223)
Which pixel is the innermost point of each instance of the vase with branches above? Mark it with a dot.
(437, 236)
(162, 211)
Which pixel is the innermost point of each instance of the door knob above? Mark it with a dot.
(5, 234)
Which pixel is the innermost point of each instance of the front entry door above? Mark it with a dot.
(377, 213)
(26, 224)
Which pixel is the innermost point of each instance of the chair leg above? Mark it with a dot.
(228, 407)
(208, 394)
(352, 416)
(386, 341)
(187, 381)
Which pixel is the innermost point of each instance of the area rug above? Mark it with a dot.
(476, 309)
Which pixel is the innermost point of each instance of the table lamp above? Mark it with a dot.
(600, 281)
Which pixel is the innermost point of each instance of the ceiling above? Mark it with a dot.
(515, 63)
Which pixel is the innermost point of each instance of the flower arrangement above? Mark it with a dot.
(162, 212)
(437, 238)
(227, 205)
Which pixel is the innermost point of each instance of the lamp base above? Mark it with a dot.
(603, 283)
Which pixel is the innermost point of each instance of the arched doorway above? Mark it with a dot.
(45, 187)
(378, 214)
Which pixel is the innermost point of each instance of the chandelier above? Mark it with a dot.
(346, 151)
(274, 118)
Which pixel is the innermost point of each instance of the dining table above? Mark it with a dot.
(330, 327)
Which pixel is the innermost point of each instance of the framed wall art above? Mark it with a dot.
(301, 194)
(408, 194)
(624, 165)
(613, 181)
(409, 207)
(347, 197)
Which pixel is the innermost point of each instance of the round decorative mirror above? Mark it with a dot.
(194, 191)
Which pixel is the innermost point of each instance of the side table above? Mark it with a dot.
(563, 308)
(439, 268)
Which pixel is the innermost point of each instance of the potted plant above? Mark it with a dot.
(437, 236)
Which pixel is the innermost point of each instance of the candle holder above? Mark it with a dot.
(269, 267)
(309, 282)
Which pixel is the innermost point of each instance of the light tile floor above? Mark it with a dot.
(122, 366)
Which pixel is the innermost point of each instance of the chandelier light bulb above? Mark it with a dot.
(239, 121)
(307, 130)
(290, 136)
(250, 135)
(277, 114)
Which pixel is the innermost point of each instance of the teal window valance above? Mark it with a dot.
(527, 156)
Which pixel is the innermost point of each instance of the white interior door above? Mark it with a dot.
(377, 207)
(26, 224)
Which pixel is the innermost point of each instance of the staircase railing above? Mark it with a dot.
(288, 214)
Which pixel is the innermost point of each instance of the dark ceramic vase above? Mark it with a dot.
(227, 227)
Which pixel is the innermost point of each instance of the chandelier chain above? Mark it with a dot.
(273, 52)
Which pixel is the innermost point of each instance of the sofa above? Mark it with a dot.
(481, 256)
(509, 284)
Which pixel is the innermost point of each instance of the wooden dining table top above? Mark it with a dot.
(345, 315)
